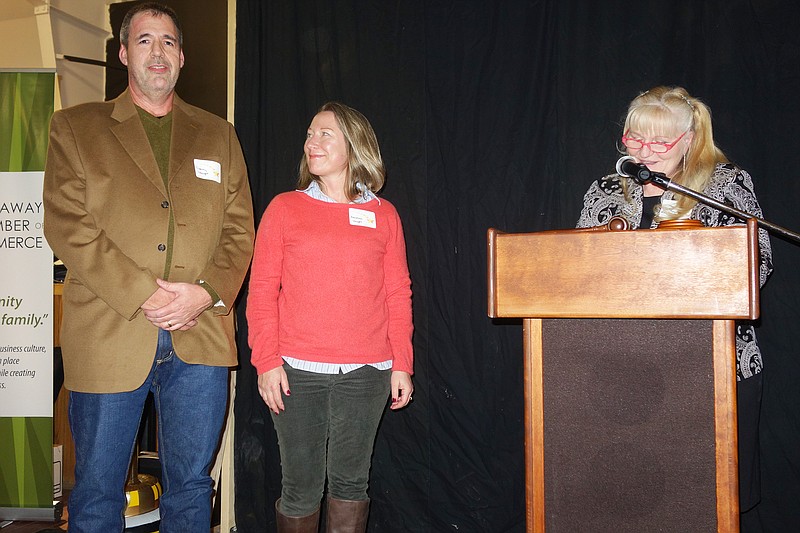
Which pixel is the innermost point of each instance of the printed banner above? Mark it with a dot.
(26, 295)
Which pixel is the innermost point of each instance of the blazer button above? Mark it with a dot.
(161, 247)
(165, 204)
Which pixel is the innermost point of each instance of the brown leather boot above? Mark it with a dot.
(296, 524)
(346, 516)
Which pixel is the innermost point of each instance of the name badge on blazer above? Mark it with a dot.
(207, 170)
(362, 217)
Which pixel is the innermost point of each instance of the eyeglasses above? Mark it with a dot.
(657, 147)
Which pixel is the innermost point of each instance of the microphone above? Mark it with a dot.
(628, 167)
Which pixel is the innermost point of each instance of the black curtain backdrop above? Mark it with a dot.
(500, 114)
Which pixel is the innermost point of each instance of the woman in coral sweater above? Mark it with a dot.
(329, 318)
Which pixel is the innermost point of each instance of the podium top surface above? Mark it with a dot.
(703, 273)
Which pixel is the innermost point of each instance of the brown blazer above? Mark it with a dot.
(107, 217)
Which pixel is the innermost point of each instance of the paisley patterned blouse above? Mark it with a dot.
(729, 185)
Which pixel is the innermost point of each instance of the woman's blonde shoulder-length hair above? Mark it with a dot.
(365, 165)
(671, 111)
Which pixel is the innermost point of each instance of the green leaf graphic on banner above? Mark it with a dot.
(26, 442)
(26, 104)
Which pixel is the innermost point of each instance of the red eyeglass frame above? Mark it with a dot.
(650, 144)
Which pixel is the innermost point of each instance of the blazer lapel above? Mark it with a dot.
(131, 135)
(184, 135)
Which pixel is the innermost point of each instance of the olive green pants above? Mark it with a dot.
(327, 433)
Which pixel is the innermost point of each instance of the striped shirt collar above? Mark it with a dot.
(366, 195)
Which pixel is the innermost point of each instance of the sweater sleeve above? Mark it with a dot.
(265, 283)
(602, 201)
(740, 193)
(398, 298)
(733, 186)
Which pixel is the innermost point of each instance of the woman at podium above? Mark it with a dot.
(669, 131)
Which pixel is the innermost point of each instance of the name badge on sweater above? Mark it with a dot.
(207, 170)
(361, 217)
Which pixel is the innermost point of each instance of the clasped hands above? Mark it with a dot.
(176, 305)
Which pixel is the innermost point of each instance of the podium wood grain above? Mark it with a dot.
(694, 273)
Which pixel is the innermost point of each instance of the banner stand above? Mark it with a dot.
(27, 100)
(33, 514)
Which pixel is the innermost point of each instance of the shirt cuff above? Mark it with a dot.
(211, 292)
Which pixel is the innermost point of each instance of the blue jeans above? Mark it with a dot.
(190, 405)
(327, 432)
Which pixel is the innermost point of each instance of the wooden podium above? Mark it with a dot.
(630, 372)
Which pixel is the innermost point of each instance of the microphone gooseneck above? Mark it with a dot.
(629, 168)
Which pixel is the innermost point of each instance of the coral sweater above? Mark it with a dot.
(329, 283)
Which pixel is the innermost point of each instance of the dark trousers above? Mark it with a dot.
(748, 398)
(327, 432)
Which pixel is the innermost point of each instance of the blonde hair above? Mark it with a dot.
(364, 163)
(665, 111)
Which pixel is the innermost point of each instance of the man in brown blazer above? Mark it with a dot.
(147, 203)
